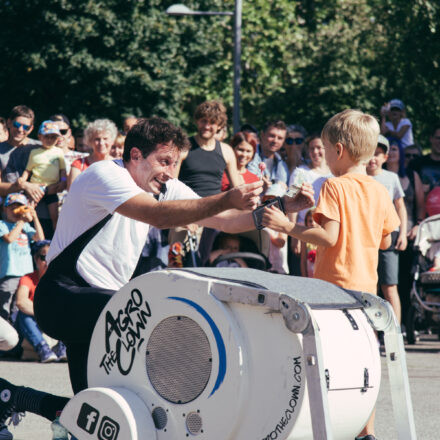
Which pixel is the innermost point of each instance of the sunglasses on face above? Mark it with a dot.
(18, 125)
(411, 155)
(297, 141)
(42, 257)
(64, 131)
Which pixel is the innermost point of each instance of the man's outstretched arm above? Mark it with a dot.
(170, 214)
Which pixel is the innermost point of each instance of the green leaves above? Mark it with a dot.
(302, 60)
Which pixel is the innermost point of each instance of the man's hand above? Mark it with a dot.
(245, 197)
(274, 219)
(413, 232)
(32, 190)
(303, 200)
(401, 243)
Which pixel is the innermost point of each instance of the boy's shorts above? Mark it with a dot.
(388, 267)
(50, 198)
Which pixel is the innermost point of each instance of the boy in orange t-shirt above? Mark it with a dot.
(355, 216)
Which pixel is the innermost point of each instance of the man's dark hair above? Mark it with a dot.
(274, 124)
(22, 110)
(60, 117)
(147, 134)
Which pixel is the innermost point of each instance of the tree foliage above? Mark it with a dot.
(302, 60)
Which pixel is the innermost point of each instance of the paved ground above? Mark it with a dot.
(423, 365)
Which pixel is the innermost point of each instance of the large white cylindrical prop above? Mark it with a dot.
(224, 370)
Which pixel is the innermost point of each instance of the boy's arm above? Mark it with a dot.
(39, 234)
(60, 186)
(401, 212)
(326, 235)
(15, 232)
(231, 165)
(25, 176)
(385, 242)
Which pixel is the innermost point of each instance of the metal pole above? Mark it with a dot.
(237, 65)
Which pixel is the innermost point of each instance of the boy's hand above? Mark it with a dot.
(303, 200)
(401, 243)
(274, 219)
(33, 190)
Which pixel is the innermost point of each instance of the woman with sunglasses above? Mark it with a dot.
(99, 135)
(294, 146)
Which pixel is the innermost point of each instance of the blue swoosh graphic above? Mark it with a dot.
(218, 339)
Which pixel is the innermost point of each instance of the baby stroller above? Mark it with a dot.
(424, 312)
(254, 250)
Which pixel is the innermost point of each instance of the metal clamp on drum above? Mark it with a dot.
(233, 354)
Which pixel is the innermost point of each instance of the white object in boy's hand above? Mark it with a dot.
(295, 187)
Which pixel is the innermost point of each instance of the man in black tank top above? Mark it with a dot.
(203, 165)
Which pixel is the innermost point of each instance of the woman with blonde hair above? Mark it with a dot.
(99, 135)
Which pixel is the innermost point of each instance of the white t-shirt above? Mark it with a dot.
(407, 138)
(109, 259)
(315, 179)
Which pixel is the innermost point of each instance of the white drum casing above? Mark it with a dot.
(219, 371)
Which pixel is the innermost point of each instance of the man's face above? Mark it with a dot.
(272, 140)
(435, 142)
(19, 129)
(63, 140)
(157, 168)
(206, 129)
(375, 164)
(128, 123)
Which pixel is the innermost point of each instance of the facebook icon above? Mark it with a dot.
(88, 418)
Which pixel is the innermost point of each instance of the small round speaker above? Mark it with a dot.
(193, 423)
(178, 359)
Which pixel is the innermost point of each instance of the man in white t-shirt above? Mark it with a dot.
(104, 223)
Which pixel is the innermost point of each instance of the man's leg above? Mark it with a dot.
(19, 399)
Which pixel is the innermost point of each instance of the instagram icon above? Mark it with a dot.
(108, 430)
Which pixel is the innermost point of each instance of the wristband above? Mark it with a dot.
(63, 179)
(257, 213)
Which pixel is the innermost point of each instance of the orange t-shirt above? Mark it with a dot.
(365, 213)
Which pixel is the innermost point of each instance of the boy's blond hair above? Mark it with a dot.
(357, 131)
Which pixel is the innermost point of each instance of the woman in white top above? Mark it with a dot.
(397, 125)
(315, 174)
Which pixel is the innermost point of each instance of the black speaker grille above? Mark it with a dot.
(160, 418)
(178, 359)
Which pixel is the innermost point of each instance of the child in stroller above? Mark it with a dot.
(424, 310)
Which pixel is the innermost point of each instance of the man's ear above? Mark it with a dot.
(135, 154)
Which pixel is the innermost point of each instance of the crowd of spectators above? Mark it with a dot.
(36, 176)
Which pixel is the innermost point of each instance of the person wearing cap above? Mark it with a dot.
(388, 267)
(397, 126)
(15, 252)
(47, 168)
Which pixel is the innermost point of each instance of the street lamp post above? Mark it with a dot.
(180, 9)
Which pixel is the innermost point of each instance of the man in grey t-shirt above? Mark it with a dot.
(14, 154)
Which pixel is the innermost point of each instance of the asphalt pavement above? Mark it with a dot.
(423, 360)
